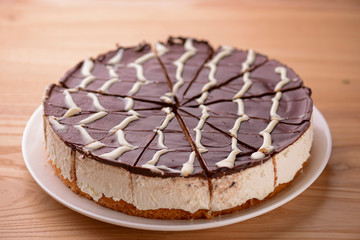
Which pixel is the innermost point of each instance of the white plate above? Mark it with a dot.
(35, 158)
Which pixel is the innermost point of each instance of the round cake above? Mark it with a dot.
(178, 130)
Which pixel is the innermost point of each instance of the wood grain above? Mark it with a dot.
(40, 40)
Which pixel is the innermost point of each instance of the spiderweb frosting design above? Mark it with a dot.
(180, 109)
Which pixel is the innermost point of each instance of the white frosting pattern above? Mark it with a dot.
(245, 87)
(55, 123)
(274, 107)
(202, 98)
(86, 81)
(200, 125)
(93, 117)
(124, 123)
(161, 49)
(164, 149)
(190, 51)
(129, 103)
(166, 99)
(105, 87)
(96, 101)
(92, 144)
(229, 162)
(242, 117)
(267, 147)
(121, 138)
(284, 79)
(136, 87)
(69, 101)
(112, 73)
(117, 152)
(225, 51)
(188, 167)
(137, 64)
(161, 139)
(117, 57)
(71, 112)
(180, 62)
(169, 116)
(125, 146)
(86, 69)
(250, 59)
(118, 130)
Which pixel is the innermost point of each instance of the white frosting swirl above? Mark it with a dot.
(91, 143)
(55, 123)
(180, 62)
(250, 59)
(267, 147)
(117, 57)
(86, 69)
(164, 149)
(212, 64)
(96, 101)
(105, 87)
(93, 117)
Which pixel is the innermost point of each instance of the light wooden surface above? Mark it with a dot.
(40, 40)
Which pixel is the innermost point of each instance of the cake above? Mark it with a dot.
(178, 130)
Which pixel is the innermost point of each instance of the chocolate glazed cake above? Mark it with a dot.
(179, 131)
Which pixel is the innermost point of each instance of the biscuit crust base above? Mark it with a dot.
(170, 214)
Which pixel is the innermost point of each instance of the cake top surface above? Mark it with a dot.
(180, 108)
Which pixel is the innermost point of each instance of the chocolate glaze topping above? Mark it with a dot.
(169, 111)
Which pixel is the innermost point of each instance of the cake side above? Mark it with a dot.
(176, 198)
(231, 191)
(60, 155)
(98, 179)
(234, 190)
(290, 160)
(189, 194)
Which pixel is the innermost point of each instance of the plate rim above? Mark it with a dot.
(196, 224)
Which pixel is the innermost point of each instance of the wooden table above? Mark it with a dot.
(40, 40)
